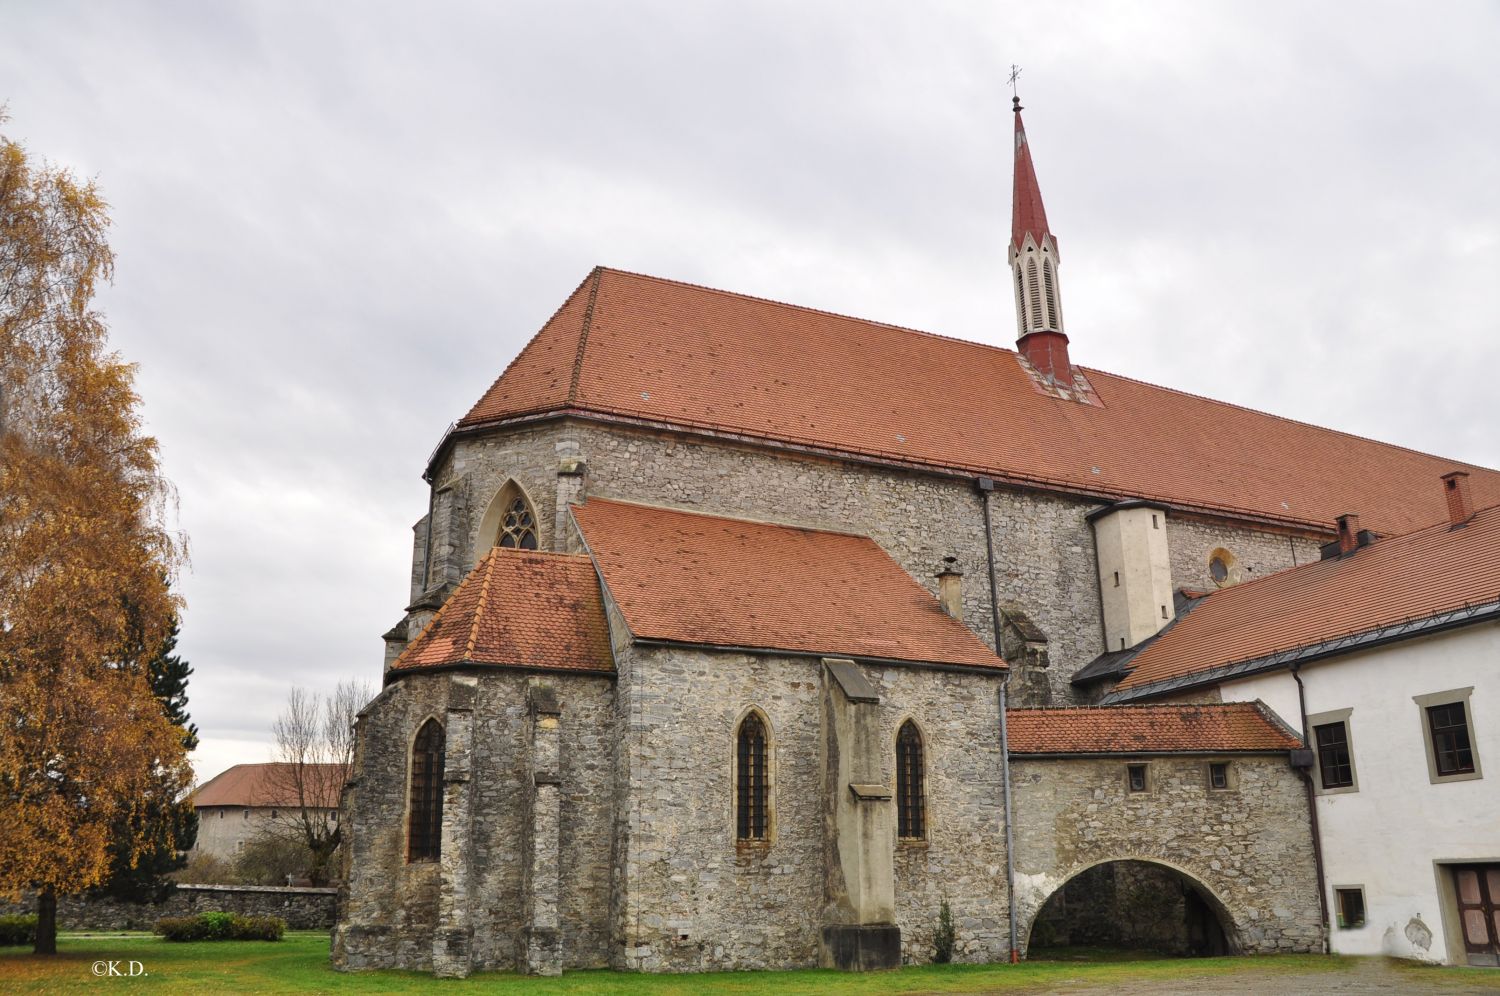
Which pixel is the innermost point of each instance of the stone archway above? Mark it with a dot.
(1138, 903)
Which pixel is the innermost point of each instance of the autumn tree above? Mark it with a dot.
(86, 555)
(315, 748)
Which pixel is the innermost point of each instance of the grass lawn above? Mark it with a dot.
(299, 964)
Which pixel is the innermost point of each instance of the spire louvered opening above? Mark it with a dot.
(1033, 295)
(1050, 289)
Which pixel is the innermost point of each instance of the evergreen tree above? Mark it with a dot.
(164, 826)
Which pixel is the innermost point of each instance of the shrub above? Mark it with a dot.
(942, 938)
(17, 928)
(221, 927)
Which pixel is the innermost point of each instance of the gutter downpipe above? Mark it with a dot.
(986, 486)
(1312, 807)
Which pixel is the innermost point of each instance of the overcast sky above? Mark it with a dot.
(336, 223)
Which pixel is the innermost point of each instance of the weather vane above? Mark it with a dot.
(1015, 74)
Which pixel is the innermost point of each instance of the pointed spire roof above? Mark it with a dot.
(1027, 214)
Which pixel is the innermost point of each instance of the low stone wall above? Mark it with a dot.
(303, 908)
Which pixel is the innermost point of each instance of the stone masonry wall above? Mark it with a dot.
(392, 906)
(1045, 560)
(303, 908)
(695, 899)
(1256, 553)
(1249, 846)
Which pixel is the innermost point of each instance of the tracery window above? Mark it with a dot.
(518, 527)
(911, 802)
(424, 832)
(752, 783)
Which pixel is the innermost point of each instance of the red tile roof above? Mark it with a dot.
(1147, 729)
(692, 578)
(274, 784)
(1391, 581)
(518, 608)
(639, 347)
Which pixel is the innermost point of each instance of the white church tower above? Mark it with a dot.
(1033, 264)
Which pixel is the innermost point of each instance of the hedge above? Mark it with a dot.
(17, 928)
(220, 927)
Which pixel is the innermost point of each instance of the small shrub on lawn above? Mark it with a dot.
(220, 927)
(17, 928)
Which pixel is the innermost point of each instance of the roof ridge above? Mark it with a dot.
(596, 275)
(805, 308)
(728, 518)
(442, 609)
(522, 351)
(484, 591)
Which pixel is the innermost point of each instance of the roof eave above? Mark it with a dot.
(1188, 752)
(998, 668)
(395, 674)
(1409, 629)
(875, 458)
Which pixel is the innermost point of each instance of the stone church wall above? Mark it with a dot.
(1249, 846)
(1045, 559)
(695, 899)
(392, 906)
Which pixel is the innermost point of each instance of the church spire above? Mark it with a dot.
(1033, 264)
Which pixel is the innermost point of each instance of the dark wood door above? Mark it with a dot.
(1478, 891)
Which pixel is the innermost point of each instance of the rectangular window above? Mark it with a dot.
(1351, 906)
(1448, 735)
(1136, 775)
(1450, 739)
(1333, 755)
(1218, 776)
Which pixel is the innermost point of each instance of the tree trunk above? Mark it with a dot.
(46, 922)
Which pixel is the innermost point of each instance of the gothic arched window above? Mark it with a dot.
(911, 802)
(424, 828)
(752, 783)
(518, 526)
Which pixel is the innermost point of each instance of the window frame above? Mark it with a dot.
(1339, 891)
(1451, 697)
(1330, 718)
(919, 797)
(433, 853)
(1145, 770)
(1229, 779)
(768, 782)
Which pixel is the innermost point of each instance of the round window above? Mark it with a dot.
(1221, 567)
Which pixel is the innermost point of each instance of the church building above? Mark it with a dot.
(746, 635)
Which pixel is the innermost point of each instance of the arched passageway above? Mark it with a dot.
(1138, 905)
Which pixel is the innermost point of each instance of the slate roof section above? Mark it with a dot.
(262, 785)
(685, 577)
(642, 348)
(1231, 727)
(518, 608)
(1383, 591)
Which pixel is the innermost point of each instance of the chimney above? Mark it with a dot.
(950, 588)
(1348, 532)
(1460, 502)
